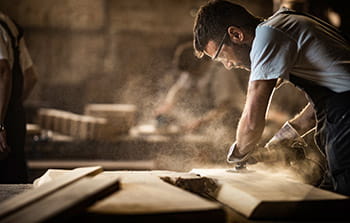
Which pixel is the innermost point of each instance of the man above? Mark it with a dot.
(291, 46)
(17, 79)
(203, 90)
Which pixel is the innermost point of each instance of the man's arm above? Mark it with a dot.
(305, 120)
(252, 122)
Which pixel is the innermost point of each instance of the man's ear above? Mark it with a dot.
(236, 34)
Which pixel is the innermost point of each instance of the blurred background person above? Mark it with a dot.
(205, 97)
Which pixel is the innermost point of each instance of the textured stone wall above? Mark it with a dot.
(105, 51)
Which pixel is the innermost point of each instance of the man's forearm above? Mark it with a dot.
(305, 120)
(252, 122)
(248, 135)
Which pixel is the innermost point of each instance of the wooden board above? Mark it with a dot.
(262, 195)
(10, 190)
(24, 199)
(145, 194)
(61, 205)
(105, 164)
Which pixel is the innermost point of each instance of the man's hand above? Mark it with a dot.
(286, 145)
(286, 136)
(233, 155)
(4, 148)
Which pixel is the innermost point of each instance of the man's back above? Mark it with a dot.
(290, 43)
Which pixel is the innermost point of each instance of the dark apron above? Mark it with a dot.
(332, 130)
(13, 169)
(333, 123)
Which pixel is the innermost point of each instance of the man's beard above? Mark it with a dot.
(242, 52)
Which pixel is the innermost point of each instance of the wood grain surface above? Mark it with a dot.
(24, 199)
(70, 200)
(262, 195)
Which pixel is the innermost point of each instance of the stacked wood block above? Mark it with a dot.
(99, 122)
(75, 125)
(120, 117)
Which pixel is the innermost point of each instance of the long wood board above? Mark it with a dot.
(24, 199)
(61, 205)
(105, 164)
(262, 195)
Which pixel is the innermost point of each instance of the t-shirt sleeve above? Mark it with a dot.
(273, 54)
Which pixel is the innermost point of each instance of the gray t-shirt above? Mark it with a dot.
(296, 44)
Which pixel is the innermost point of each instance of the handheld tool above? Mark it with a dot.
(240, 167)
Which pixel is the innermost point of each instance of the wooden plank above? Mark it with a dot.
(145, 194)
(61, 205)
(28, 197)
(263, 195)
(9, 190)
(105, 164)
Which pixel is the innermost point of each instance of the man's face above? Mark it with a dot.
(232, 55)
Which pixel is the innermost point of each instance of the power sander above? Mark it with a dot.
(239, 168)
(267, 155)
(240, 163)
(300, 153)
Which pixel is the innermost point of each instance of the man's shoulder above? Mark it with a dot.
(276, 20)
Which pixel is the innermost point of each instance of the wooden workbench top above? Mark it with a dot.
(253, 196)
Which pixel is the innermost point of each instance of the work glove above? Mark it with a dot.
(259, 154)
(236, 160)
(286, 145)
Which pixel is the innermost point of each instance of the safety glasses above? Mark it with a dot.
(219, 47)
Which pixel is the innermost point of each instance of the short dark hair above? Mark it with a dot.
(213, 19)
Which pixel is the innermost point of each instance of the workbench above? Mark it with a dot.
(146, 152)
(201, 195)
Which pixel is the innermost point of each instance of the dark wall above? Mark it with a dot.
(105, 51)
